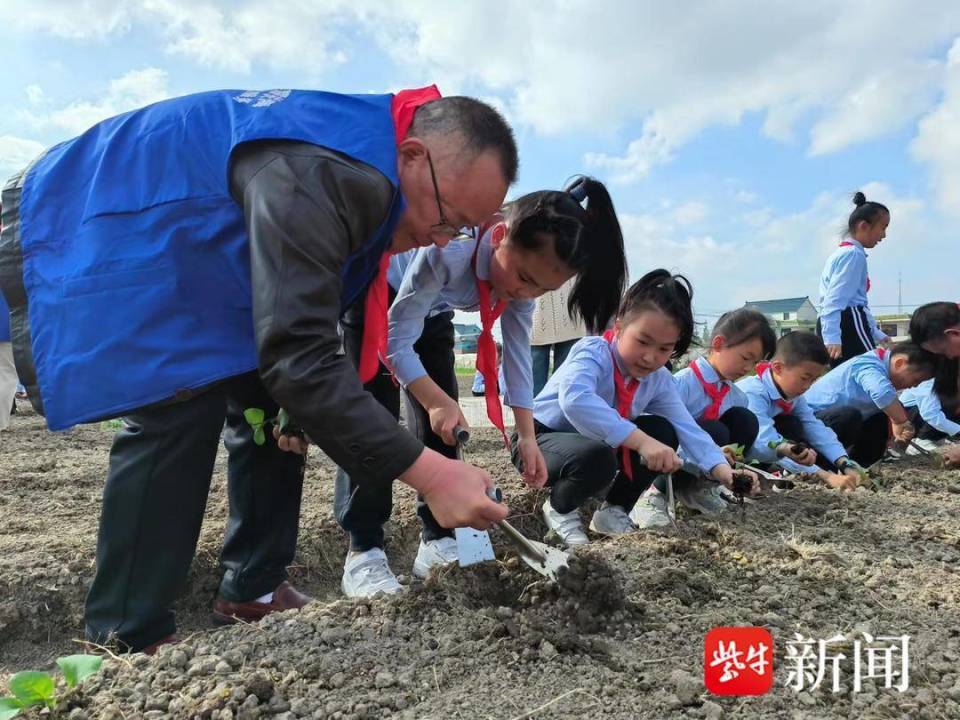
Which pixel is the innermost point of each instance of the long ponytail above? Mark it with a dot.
(586, 238)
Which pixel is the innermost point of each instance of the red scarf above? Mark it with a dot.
(716, 396)
(486, 346)
(881, 353)
(376, 304)
(787, 407)
(625, 389)
(850, 244)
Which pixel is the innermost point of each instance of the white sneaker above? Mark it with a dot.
(433, 553)
(650, 511)
(567, 526)
(611, 520)
(367, 574)
(929, 445)
(701, 495)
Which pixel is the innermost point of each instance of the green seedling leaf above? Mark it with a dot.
(9, 708)
(76, 668)
(283, 419)
(254, 416)
(258, 436)
(33, 688)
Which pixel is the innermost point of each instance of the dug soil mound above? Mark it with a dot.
(621, 635)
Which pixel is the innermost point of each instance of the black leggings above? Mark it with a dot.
(865, 439)
(579, 468)
(737, 426)
(925, 431)
(363, 507)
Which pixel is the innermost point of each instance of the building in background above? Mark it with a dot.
(896, 326)
(787, 314)
(465, 337)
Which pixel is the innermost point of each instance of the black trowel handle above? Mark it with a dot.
(461, 435)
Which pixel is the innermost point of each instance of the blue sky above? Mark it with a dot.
(731, 134)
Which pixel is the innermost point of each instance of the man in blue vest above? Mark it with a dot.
(189, 260)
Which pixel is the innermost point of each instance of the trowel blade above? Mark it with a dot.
(473, 546)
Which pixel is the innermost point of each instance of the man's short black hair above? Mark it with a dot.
(799, 346)
(482, 128)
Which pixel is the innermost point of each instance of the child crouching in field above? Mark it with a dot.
(613, 401)
(858, 399)
(741, 339)
(935, 416)
(790, 434)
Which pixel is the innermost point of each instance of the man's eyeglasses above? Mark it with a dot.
(444, 226)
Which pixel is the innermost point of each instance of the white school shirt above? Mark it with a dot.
(695, 397)
(931, 410)
(432, 280)
(843, 284)
(762, 396)
(581, 397)
(862, 382)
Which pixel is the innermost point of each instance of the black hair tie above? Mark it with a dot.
(579, 190)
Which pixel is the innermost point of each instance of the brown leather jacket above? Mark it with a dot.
(307, 209)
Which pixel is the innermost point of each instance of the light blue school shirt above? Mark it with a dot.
(862, 382)
(762, 395)
(843, 284)
(581, 397)
(432, 280)
(695, 398)
(931, 410)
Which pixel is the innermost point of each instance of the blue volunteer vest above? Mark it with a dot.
(136, 263)
(4, 320)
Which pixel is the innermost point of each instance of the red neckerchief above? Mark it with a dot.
(376, 303)
(881, 353)
(850, 244)
(787, 407)
(625, 389)
(486, 346)
(716, 396)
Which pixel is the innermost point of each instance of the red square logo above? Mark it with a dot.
(738, 661)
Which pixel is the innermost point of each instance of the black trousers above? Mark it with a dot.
(925, 431)
(361, 506)
(792, 429)
(579, 468)
(737, 426)
(154, 500)
(865, 439)
(856, 334)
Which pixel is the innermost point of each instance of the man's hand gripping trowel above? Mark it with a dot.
(473, 546)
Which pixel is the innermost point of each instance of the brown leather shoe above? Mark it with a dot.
(152, 648)
(285, 597)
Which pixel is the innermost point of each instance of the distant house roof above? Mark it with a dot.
(769, 307)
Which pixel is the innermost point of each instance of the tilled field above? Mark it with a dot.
(621, 637)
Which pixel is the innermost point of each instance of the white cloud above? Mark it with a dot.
(16, 153)
(938, 138)
(882, 103)
(34, 94)
(77, 19)
(690, 213)
(132, 90)
(679, 72)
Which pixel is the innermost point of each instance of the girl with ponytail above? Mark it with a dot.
(537, 243)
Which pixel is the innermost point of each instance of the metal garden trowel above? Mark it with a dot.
(473, 546)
